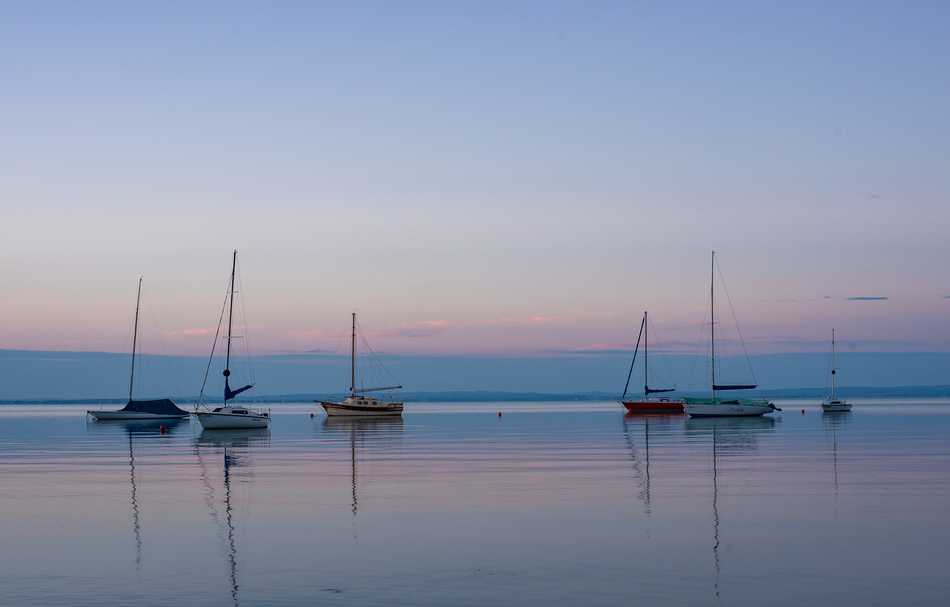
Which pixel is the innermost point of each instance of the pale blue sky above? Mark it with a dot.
(475, 177)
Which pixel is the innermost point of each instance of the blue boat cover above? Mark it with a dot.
(161, 406)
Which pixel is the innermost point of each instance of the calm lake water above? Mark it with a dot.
(551, 504)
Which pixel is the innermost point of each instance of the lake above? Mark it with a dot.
(549, 504)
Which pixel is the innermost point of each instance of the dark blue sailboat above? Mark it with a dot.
(159, 409)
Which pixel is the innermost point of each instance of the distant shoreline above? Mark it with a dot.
(463, 396)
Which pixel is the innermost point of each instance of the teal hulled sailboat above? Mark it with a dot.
(718, 406)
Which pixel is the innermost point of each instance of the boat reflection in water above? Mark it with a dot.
(235, 447)
(636, 429)
(728, 436)
(833, 423)
(366, 433)
(137, 430)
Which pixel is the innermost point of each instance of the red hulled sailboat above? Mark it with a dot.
(648, 404)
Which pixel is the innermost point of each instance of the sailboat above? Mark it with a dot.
(230, 417)
(647, 404)
(358, 403)
(158, 409)
(715, 406)
(834, 404)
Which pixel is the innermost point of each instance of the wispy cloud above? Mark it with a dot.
(521, 321)
(867, 298)
(197, 332)
(418, 329)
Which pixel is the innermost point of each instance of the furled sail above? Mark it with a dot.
(229, 393)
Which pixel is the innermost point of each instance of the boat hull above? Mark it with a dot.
(647, 407)
(231, 421)
(345, 410)
(837, 407)
(131, 415)
(729, 408)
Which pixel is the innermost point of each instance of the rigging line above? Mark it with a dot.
(214, 344)
(694, 357)
(247, 347)
(375, 357)
(735, 319)
(135, 334)
(659, 370)
(634, 361)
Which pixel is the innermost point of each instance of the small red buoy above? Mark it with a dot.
(162, 430)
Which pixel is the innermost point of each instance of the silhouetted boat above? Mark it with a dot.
(834, 404)
(647, 404)
(229, 416)
(140, 409)
(357, 403)
(724, 407)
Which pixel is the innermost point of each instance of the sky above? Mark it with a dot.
(475, 178)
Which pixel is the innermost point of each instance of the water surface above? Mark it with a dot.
(551, 503)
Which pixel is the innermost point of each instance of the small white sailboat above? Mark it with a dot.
(358, 404)
(716, 406)
(230, 417)
(156, 410)
(834, 404)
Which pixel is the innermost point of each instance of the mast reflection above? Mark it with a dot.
(728, 436)
(135, 430)
(832, 423)
(377, 431)
(642, 467)
(235, 446)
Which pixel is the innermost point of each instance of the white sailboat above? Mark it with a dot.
(230, 417)
(716, 406)
(159, 409)
(834, 404)
(358, 404)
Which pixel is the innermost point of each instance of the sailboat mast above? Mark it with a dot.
(646, 357)
(353, 356)
(712, 321)
(227, 359)
(834, 364)
(135, 335)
